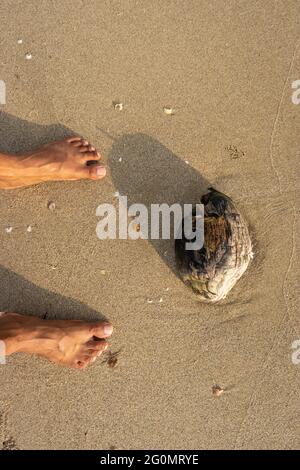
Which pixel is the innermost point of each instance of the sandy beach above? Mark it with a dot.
(226, 68)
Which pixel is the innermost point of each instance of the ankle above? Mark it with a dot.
(15, 332)
(10, 170)
(15, 170)
(9, 164)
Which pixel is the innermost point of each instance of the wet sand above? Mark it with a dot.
(227, 70)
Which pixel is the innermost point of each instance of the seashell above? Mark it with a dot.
(217, 391)
(168, 110)
(118, 106)
(213, 270)
(51, 206)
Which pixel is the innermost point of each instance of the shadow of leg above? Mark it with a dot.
(16, 293)
(18, 135)
(149, 173)
(21, 296)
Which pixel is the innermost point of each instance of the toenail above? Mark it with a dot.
(107, 329)
(101, 171)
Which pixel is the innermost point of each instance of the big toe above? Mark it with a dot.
(91, 172)
(100, 330)
(96, 172)
(103, 330)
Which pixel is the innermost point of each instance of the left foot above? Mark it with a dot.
(56, 161)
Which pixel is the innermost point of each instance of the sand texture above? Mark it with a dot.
(226, 69)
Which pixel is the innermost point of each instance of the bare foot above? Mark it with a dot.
(70, 343)
(63, 160)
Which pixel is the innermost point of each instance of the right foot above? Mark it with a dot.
(56, 161)
(66, 342)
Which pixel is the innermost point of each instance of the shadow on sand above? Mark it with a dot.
(21, 296)
(16, 293)
(149, 173)
(18, 135)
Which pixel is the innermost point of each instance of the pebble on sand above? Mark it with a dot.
(217, 391)
(28, 56)
(29, 228)
(118, 106)
(168, 110)
(8, 229)
(20, 41)
(51, 206)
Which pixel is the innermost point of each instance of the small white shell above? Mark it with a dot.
(20, 41)
(118, 106)
(8, 229)
(217, 391)
(29, 228)
(168, 110)
(28, 56)
(51, 206)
